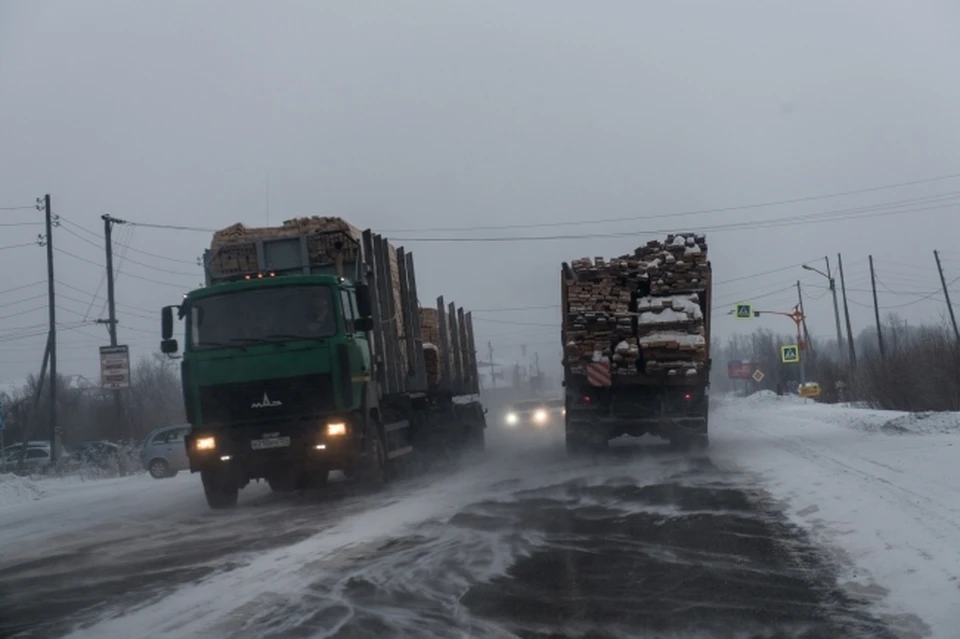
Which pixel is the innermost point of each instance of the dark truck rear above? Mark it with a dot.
(636, 336)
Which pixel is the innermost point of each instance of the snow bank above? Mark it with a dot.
(887, 422)
(876, 490)
(15, 489)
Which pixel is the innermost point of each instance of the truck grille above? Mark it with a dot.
(269, 399)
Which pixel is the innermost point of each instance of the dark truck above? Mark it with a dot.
(302, 355)
(647, 366)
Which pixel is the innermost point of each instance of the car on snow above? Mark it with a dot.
(164, 453)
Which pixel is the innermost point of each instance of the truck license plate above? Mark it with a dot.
(270, 442)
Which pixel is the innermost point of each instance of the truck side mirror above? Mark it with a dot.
(169, 346)
(363, 301)
(364, 324)
(166, 323)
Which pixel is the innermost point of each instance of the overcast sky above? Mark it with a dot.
(420, 118)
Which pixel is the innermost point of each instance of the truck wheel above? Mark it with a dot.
(476, 437)
(286, 483)
(697, 443)
(578, 446)
(220, 488)
(375, 471)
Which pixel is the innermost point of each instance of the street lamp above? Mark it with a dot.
(833, 291)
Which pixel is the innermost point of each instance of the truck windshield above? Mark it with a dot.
(271, 314)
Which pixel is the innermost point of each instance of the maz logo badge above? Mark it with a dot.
(266, 403)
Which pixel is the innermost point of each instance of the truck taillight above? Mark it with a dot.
(688, 397)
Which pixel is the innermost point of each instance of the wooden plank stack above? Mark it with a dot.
(233, 250)
(641, 312)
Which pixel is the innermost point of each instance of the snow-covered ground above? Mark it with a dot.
(876, 490)
(879, 489)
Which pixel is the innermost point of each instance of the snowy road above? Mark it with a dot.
(737, 543)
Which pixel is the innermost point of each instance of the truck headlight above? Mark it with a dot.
(511, 419)
(206, 443)
(540, 416)
(336, 429)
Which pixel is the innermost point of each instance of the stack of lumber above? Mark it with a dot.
(233, 251)
(641, 312)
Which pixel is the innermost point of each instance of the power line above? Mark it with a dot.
(726, 209)
(18, 208)
(128, 259)
(73, 299)
(100, 237)
(84, 292)
(14, 224)
(23, 286)
(173, 227)
(35, 331)
(515, 308)
(29, 310)
(494, 321)
(747, 277)
(821, 217)
(14, 246)
(25, 299)
(136, 277)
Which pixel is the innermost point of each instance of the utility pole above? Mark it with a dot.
(806, 334)
(876, 310)
(108, 223)
(946, 294)
(846, 312)
(49, 223)
(836, 308)
(493, 375)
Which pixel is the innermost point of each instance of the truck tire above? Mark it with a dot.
(476, 438)
(375, 465)
(285, 483)
(220, 488)
(578, 446)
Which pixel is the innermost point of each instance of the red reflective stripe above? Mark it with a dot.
(598, 374)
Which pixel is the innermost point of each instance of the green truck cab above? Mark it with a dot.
(293, 370)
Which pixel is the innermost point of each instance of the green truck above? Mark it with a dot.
(303, 355)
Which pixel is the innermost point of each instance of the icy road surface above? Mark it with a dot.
(787, 528)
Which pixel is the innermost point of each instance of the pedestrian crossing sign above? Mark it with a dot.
(790, 354)
(744, 311)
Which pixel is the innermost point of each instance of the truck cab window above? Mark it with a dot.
(348, 311)
(263, 315)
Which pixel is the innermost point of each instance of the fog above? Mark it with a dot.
(426, 120)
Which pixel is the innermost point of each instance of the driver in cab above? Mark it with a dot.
(321, 321)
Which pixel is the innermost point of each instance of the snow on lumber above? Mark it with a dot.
(643, 311)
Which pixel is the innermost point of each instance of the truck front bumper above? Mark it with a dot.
(255, 450)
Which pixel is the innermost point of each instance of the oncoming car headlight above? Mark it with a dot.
(540, 416)
(511, 419)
